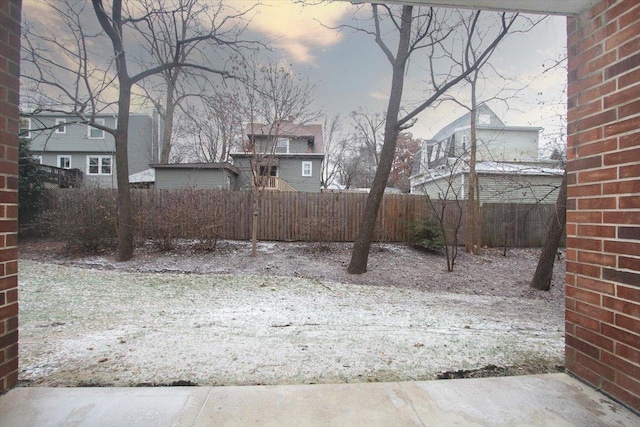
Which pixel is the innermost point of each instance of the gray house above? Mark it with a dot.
(507, 163)
(201, 176)
(60, 141)
(288, 156)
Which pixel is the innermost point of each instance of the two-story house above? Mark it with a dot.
(507, 162)
(62, 142)
(286, 155)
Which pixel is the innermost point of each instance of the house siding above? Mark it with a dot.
(79, 161)
(290, 170)
(202, 179)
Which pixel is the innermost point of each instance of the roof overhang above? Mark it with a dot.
(544, 7)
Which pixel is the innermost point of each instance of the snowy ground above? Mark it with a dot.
(223, 318)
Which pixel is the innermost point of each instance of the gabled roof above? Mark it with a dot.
(222, 165)
(288, 129)
(465, 120)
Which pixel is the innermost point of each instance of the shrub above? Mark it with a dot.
(426, 235)
(30, 186)
(85, 219)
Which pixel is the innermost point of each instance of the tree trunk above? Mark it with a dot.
(544, 271)
(360, 253)
(472, 243)
(254, 220)
(167, 132)
(125, 213)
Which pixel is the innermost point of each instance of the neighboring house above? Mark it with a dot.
(58, 140)
(507, 163)
(289, 156)
(201, 176)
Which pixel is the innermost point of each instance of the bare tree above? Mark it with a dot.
(80, 86)
(272, 96)
(544, 270)
(406, 149)
(368, 133)
(335, 148)
(419, 29)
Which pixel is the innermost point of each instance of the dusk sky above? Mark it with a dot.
(351, 72)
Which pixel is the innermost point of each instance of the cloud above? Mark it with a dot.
(298, 29)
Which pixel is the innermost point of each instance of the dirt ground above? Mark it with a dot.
(290, 315)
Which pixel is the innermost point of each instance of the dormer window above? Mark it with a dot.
(484, 119)
(282, 146)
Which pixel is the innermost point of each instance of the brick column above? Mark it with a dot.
(603, 218)
(10, 11)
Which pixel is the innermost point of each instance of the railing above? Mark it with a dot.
(63, 178)
(274, 183)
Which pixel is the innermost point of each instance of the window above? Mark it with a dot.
(99, 165)
(465, 139)
(282, 146)
(484, 119)
(60, 126)
(307, 168)
(25, 128)
(64, 162)
(95, 133)
(268, 170)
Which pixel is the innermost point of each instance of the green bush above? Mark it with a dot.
(30, 186)
(425, 235)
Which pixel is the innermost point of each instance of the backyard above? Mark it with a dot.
(292, 315)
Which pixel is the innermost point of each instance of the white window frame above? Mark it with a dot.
(310, 171)
(21, 128)
(100, 165)
(60, 157)
(484, 119)
(285, 146)
(61, 129)
(90, 128)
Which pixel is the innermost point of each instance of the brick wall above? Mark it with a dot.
(9, 85)
(603, 218)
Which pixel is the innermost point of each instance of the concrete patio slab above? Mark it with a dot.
(553, 399)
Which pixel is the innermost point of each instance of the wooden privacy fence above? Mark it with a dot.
(299, 216)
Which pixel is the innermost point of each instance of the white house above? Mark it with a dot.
(507, 163)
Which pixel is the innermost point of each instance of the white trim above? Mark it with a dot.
(90, 128)
(100, 165)
(62, 129)
(63, 156)
(310, 172)
(27, 135)
(288, 141)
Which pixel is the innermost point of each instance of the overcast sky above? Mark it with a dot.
(350, 71)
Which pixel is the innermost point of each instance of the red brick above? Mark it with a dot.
(627, 217)
(584, 56)
(631, 171)
(584, 269)
(629, 48)
(595, 366)
(584, 190)
(596, 230)
(629, 233)
(584, 110)
(623, 66)
(584, 217)
(596, 120)
(626, 337)
(583, 295)
(588, 82)
(628, 79)
(597, 258)
(629, 263)
(597, 203)
(7, 311)
(595, 93)
(594, 312)
(585, 163)
(582, 346)
(628, 383)
(629, 141)
(584, 374)
(633, 14)
(621, 187)
(626, 352)
(8, 367)
(617, 247)
(629, 202)
(584, 321)
(628, 323)
(620, 364)
(631, 294)
(8, 283)
(595, 285)
(622, 157)
(621, 394)
(569, 304)
(594, 338)
(584, 244)
(622, 97)
(622, 126)
(598, 36)
(598, 175)
(597, 147)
